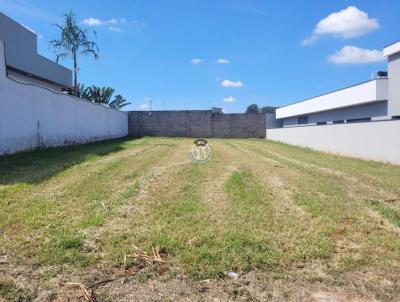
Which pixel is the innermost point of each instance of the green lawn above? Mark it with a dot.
(259, 207)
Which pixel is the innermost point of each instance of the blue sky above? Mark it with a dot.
(269, 52)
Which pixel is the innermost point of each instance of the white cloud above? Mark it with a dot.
(222, 61)
(110, 23)
(92, 21)
(228, 83)
(144, 106)
(113, 28)
(346, 24)
(98, 22)
(356, 55)
(196, 61)
(116, 21)
(229, 99)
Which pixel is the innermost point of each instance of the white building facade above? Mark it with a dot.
(24, 64)
(361, 121)
(378, 99)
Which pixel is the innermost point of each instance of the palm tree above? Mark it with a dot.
(73, 41)
(83, 92)
(102, 95)
(118, 102)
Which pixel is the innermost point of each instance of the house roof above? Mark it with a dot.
(391, 49)
(366, 92)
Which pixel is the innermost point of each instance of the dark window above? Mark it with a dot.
(321, 123)
(302, 120)
(339, 122)
(359, 120)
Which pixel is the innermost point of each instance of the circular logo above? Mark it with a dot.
(200, 152)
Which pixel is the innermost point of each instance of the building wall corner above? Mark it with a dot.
(2, 60)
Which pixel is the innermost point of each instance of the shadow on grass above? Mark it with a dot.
(37, 166)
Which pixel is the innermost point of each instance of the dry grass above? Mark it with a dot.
(289, 221)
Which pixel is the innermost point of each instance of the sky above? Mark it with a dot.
(196, 54)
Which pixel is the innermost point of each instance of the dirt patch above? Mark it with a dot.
(254, 286)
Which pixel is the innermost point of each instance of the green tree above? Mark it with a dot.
(253, 108)
(216, 110)
(102, 95)
(118, 102)
(73, 41)
(267, 109)
(83, 92)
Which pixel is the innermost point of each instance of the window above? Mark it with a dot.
(359, 120)
(321, 123)
(339, 122)
(302, 120)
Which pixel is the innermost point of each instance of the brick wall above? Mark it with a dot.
(196, 123)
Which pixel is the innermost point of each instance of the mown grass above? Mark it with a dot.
(184, 227)
(10, 292)
(390, 214)
(339, 208)
(44, 218)
(377, 174)
(256, 206)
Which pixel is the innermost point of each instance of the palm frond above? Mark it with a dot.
(61, 56)
(118, 102)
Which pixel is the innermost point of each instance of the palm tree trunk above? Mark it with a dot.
(75, 74)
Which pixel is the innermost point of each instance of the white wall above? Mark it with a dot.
(372, 91)
(369, 110)
(32, 116)
(372, 140)
(394, 84)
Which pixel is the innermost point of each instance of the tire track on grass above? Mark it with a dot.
(153, 181)
(351, 224)
(357, 190)
(296, 228)
(354, 184)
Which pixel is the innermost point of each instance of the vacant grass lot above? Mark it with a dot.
(136, 220)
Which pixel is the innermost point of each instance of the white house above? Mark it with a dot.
(23, 62)
(373, 100)
(359, 121)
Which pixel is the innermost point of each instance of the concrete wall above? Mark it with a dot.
(196, 123)
(21, 53)
(32, 117)
(355, 112)
(371, 140)
(238, 125)
(272, 122)
(394, 84)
